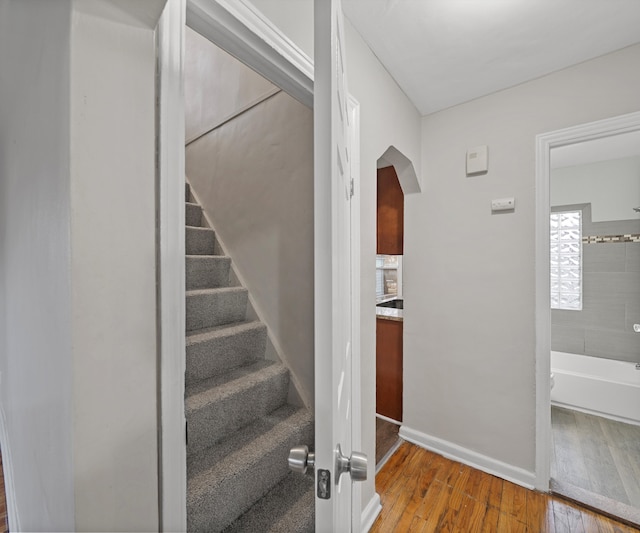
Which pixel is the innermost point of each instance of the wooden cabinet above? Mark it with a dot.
(390, 224)
(389, 368)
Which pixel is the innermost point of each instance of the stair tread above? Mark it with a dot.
(226, 480)
(195, 257)
(215, 290)
(288, 507)
(213, 388)
(198, 228)
(243, 449)
(192, 203)
(204, 334)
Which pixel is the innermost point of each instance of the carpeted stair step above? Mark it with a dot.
(206, 308)
(187, 192)
(193, 214)
(217, 407)
(217, 350)
(224, 481)
(199, 241)
(287, 508)
(207, 271)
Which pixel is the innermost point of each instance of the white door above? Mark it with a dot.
(333, 297)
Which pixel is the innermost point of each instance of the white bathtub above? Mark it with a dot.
(597, 386)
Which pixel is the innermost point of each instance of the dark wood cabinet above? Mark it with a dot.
(389, 368)
(390, 213)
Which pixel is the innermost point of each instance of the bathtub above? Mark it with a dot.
(597, 386)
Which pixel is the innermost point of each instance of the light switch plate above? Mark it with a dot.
(477, 160)
(503, 204)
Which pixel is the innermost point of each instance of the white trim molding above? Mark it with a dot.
(370, 513)
(544, 143)
(452, 451)
(356, 370)
(242, 31)
(172, 456)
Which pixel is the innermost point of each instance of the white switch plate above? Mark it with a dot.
(477, 160)
(503, 204)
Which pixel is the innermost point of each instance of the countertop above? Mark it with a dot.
(389, 313)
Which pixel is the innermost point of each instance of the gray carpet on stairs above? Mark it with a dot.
(213, 351)
(287, 508)
(205, 271)
(226, 480)
(213, 307)
(239, 426)
(199, 241)
(221, 405)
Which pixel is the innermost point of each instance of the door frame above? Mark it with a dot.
(238, 28)
(544, 143)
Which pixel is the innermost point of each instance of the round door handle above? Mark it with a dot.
(300, 459)
(356, 465)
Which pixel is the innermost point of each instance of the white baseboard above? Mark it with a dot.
(517, 475)
(7, 468)
(371, 512)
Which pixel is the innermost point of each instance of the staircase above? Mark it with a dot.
(239, 425)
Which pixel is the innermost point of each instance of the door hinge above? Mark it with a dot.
(352, 187)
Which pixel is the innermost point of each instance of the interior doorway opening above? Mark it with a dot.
(595, 406)
(396, 177)
(588, 408)
(389, 311)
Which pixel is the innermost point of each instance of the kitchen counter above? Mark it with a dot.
(389, 313)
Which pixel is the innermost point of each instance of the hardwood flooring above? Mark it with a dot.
(4, 524)
(423, 492)
(386, 437)
(597, 461)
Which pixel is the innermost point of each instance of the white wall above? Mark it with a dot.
(611, 187)
(216, 85)
(469, 318)
(113, 252)
(77, 251)
(35, 284)
(254, 178)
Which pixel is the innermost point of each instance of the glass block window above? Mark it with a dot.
(566, 260)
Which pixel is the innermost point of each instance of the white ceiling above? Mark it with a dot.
(445, 52)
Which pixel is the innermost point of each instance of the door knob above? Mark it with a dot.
(300, 458)
(356, 465)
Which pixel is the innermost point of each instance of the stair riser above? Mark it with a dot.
(213, 422)
(289, 507)
(207, 272)
(200, 241)
(215, 309)
(216, 356)
(230, 497)
(193, 215)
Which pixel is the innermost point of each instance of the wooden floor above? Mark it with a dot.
(424, 492)
(386, 437)
(596, 454)
(4, 527)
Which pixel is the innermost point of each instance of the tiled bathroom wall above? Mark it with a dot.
(610, 292)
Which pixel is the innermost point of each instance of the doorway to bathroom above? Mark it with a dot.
(593, 350)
